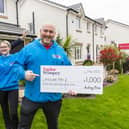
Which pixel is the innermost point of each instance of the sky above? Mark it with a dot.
(117, 10)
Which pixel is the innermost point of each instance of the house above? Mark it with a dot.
(8, 11)
(42, 12)
(86, 33)
(9, 22)
(117, 33)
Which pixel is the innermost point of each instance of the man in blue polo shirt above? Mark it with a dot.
(44, 51)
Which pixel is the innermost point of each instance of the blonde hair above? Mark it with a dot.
(6, 42)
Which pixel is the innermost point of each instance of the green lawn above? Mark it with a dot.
(107, 111)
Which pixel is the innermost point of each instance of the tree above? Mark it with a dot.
(66, 44)
(59, 39)
(122, 60)
(109, 55)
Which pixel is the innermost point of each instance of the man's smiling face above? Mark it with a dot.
(47, 34)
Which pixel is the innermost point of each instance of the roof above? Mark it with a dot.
(76, 6)
(12, 29)
(93, 20)
(100, 20)
(113, 21)
(55, 3)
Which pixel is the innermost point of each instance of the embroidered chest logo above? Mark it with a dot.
(56, 56)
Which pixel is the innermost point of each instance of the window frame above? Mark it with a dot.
(78, 52)
(3, 13)
(30, 27)
(101, 32)
(88, 27)
(78, 22)
(96, 29)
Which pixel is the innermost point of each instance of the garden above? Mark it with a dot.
(107, 111)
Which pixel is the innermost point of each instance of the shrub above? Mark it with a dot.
(113, 71)
(110, 78)
(109, 54)
(88, 62)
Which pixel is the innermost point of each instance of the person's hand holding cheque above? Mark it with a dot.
(73, 93)
(30, 76)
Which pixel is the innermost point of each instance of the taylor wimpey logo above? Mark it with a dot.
(56, 56)
(49, 69)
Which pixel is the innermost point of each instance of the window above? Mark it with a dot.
(88, 27)
(1, 6)
(97, 50)
(77, 52)
(97, 53)
(30, 27)
(105, 38)
(78, 22)
(101, 32)
(96, 29)
(88, 52)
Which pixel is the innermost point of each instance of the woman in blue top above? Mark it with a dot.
(19, 41)
(9, 82)
(8, 86)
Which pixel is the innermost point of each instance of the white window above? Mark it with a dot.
(97, 50)
(95, 29)
(30, 27)
(88, 27)
(97, 53)
(78, 22)
(78, 52)
(101, 32)
(88, 52)
(105, 38)
(2, 6)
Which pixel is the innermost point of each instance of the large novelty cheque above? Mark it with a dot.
(81, 79)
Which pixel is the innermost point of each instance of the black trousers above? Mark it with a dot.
(29, 108)
(9, 105)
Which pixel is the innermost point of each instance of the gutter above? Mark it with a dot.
(17, 13)
(16, 33)
(93, 40)
(33, 21)
(67, 26)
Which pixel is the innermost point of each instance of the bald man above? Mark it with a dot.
(44, 51)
